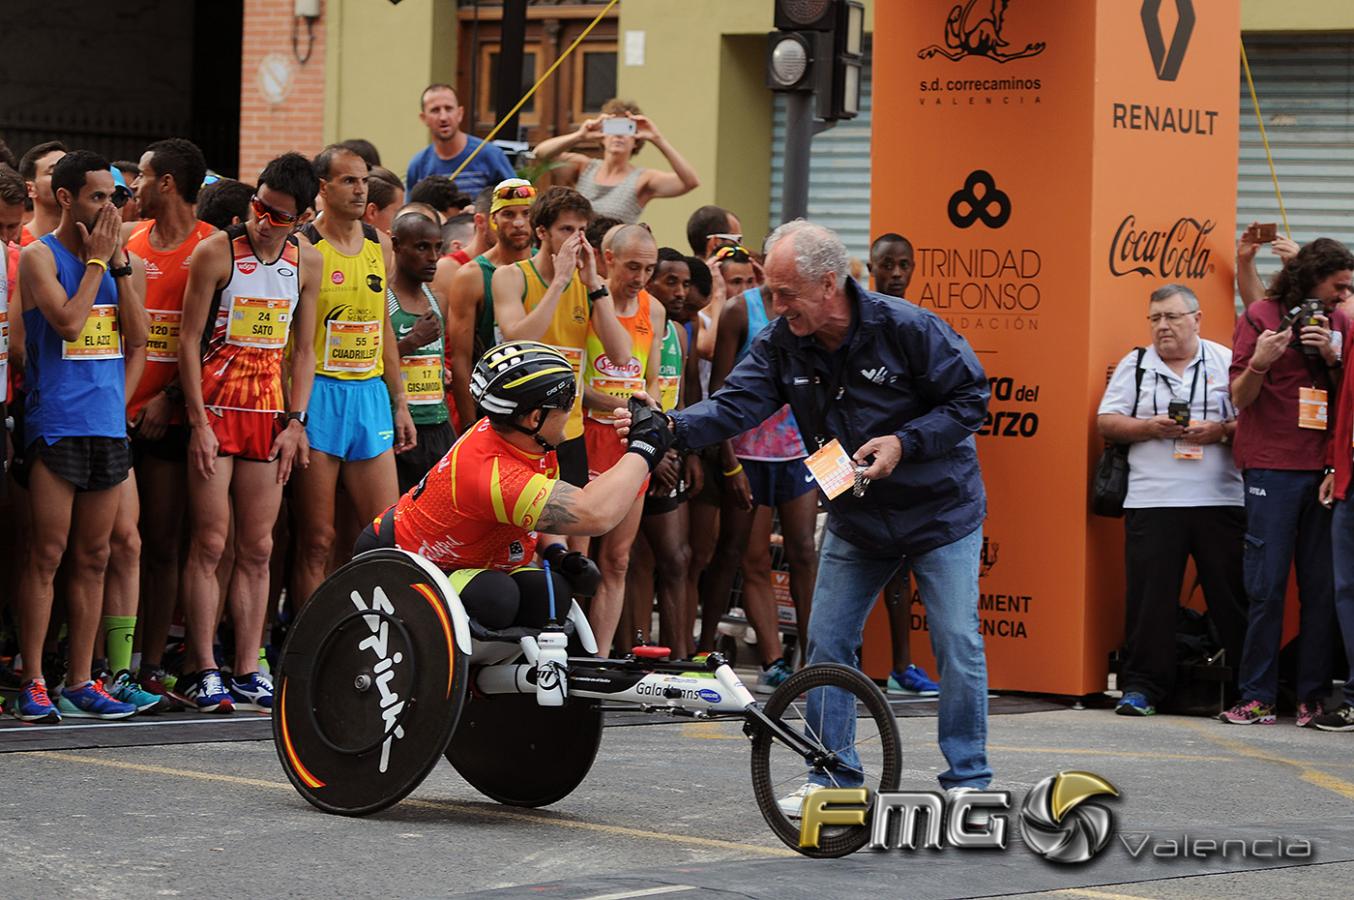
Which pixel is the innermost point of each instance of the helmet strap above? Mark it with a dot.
(535, 433)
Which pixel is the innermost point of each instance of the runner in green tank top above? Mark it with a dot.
(470, 309)
(418, 318)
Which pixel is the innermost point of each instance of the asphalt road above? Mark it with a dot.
(668, 811)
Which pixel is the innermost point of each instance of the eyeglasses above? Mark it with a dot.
(1171, 318)
(515, 192)
(277, 217)
(732, 253)
(735, 238)
(121, 194)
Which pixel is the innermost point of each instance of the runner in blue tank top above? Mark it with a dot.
(85, 329)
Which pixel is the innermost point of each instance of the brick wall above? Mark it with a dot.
(297, 123)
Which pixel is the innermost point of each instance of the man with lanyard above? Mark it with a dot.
(417, 314)
(353, 419)
(82, 317)
(553, 297)
(470, 308)
(897, 461)
(1285, 366)
(662, 547)
(151, 513)
(496, 497)
(631, 255)
(251, 289)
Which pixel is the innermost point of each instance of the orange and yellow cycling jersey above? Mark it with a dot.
(478, 507)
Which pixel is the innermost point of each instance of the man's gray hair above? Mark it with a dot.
(1167, 291)
(817, 250)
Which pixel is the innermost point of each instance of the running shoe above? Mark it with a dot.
(912, 681)
(206, 692)
(158, 681)
(1134, 703)
(92, 701)
(1251, 712)
(127, 690)
(791, 804)
(35, 705)
(253, 691)
(1339, 719)
(1308, 711)
(773, 676)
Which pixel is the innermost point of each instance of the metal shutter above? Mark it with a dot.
(1304, 84)
(839, 171)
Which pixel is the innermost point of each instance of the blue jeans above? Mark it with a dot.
(1285, 523)
(849, 582)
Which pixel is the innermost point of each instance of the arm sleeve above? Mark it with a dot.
(751, 393)
(1118, 398)
(947, 373)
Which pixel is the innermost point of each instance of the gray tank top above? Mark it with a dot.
(620, 201)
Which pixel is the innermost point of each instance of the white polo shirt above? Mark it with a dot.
(1156, 477)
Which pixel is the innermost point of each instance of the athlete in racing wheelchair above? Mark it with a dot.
(376, 679)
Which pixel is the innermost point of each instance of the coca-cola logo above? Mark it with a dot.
(1171, 253)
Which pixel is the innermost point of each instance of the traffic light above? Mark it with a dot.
(819, 46)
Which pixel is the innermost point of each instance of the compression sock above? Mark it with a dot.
(117, 635)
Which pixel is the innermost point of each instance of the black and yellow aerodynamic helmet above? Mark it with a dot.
(517, 377)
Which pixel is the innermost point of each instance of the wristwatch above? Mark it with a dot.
(594, 296)
(301, 417)
(121, 271)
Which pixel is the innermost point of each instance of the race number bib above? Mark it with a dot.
(575, 357)
(832, 469)
(669, 389)
(162, 341)
(351, 347)
(99, 337)
(259, 323)
(422, 378)
(619, 388)
(1312, 409)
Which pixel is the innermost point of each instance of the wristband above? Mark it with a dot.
(734, 471)
(95, 261)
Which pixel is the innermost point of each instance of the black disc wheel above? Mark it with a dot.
(869, 758)
(370, 685)
(520, 753)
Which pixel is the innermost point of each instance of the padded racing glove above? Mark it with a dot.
(650, 437)
(581, 572)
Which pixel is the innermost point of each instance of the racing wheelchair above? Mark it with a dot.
(383, 672)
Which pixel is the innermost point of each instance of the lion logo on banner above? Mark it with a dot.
(974, 29)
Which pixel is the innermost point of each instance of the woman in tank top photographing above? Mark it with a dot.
(614, 185)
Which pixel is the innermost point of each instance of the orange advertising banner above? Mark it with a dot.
(1052, 163)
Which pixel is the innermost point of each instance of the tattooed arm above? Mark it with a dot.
(597, 508)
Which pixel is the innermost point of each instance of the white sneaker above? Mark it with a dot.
(952, 793)
(791, 804)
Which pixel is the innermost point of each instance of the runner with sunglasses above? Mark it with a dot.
(359, 413)
(251, 296)
(496, 498)
(470, 318)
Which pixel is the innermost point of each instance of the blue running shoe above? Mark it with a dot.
(206, 691)
(773, 676)
(253, 691)
(912, 681)
(34, 704)
(1134, 703)
(127, 690)
(91, 701)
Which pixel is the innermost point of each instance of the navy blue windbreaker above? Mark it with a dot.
(906, 372)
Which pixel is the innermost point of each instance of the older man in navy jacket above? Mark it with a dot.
(903, 394)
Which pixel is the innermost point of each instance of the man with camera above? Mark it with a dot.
(1285, 368)
(1170, 403)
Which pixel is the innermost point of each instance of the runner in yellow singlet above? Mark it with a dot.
(553, 297)
(358, 407)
